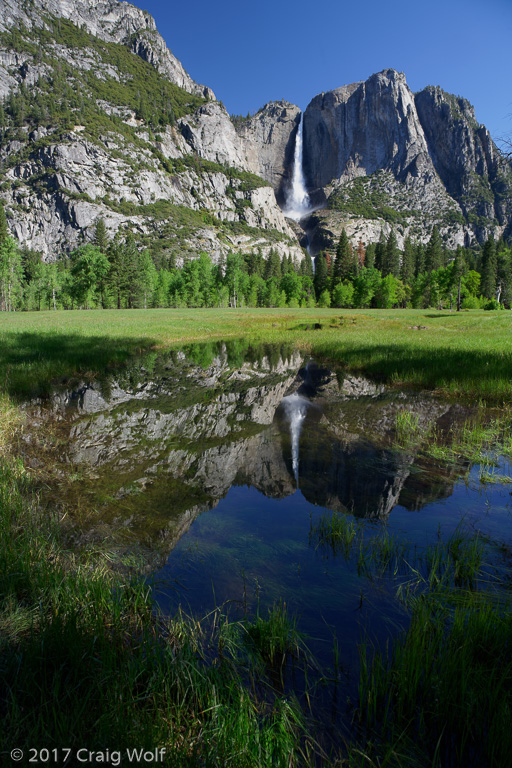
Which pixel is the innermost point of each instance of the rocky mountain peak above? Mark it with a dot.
(102, 121)
(364, 127)
(465, 158)
(108, 20)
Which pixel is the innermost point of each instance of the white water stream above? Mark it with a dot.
(295, 408)
(297, 199)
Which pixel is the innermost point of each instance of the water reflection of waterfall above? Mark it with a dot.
(297, 201)
(295, 408)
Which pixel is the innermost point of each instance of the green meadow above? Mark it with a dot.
(86, 660)
(465, 354)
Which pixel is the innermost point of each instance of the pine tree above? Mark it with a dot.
(286, 265)
(273, 266)
(459, 267)
(370, 256)
(321, 279)
(306, 266)
(459, 263)
(29, 261)
(505, 274)
(380, 252)
(118, 274)
(420, 259)
(391, 265)
(131, 286)
(344, 266)
(489, 268)
(4, 229)
(360, 259)
(408, 262)
(434, 251)
(100, 236)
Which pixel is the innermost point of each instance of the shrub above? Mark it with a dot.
(470, 302)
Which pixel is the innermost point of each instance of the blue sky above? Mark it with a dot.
(251, 53)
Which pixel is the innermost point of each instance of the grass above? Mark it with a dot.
(463, 355)
(443, 692)
(334, 533)
(276, 637)
(483, 439)
(409, 432)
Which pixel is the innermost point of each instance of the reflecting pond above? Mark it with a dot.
(225, 459)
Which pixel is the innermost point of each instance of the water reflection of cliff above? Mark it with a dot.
(169, 439)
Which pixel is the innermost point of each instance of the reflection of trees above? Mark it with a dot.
(235, 353)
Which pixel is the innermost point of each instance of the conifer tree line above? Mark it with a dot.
(419, 276)
(114, 273)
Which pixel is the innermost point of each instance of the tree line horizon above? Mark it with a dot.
(112, 273)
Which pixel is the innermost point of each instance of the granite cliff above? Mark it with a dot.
(381, 156)
(98, 119)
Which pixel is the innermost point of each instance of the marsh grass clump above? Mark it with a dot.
(479, 440)
(445, 684)
(382, 553)
(443, 689)
(276, 637)
(334, 532)
(458, 561)
(408, 430)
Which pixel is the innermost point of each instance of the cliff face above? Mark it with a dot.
(102, 121)
(269, 140)
(362, 128)
(465, 157)
(382, 157)
(112, 21)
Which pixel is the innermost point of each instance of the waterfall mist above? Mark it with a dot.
(297, 199)
(295, 408)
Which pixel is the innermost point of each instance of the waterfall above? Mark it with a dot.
(297, 199)
(295, 408)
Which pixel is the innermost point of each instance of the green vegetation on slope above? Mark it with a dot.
(365, 196)
(137, 85)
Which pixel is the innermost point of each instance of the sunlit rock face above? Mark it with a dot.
(269, 141)
(465, 156)
(424, 155)
(364, 127)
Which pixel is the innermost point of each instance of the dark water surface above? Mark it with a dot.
(223, 457)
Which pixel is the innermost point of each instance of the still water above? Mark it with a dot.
(220, 459)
